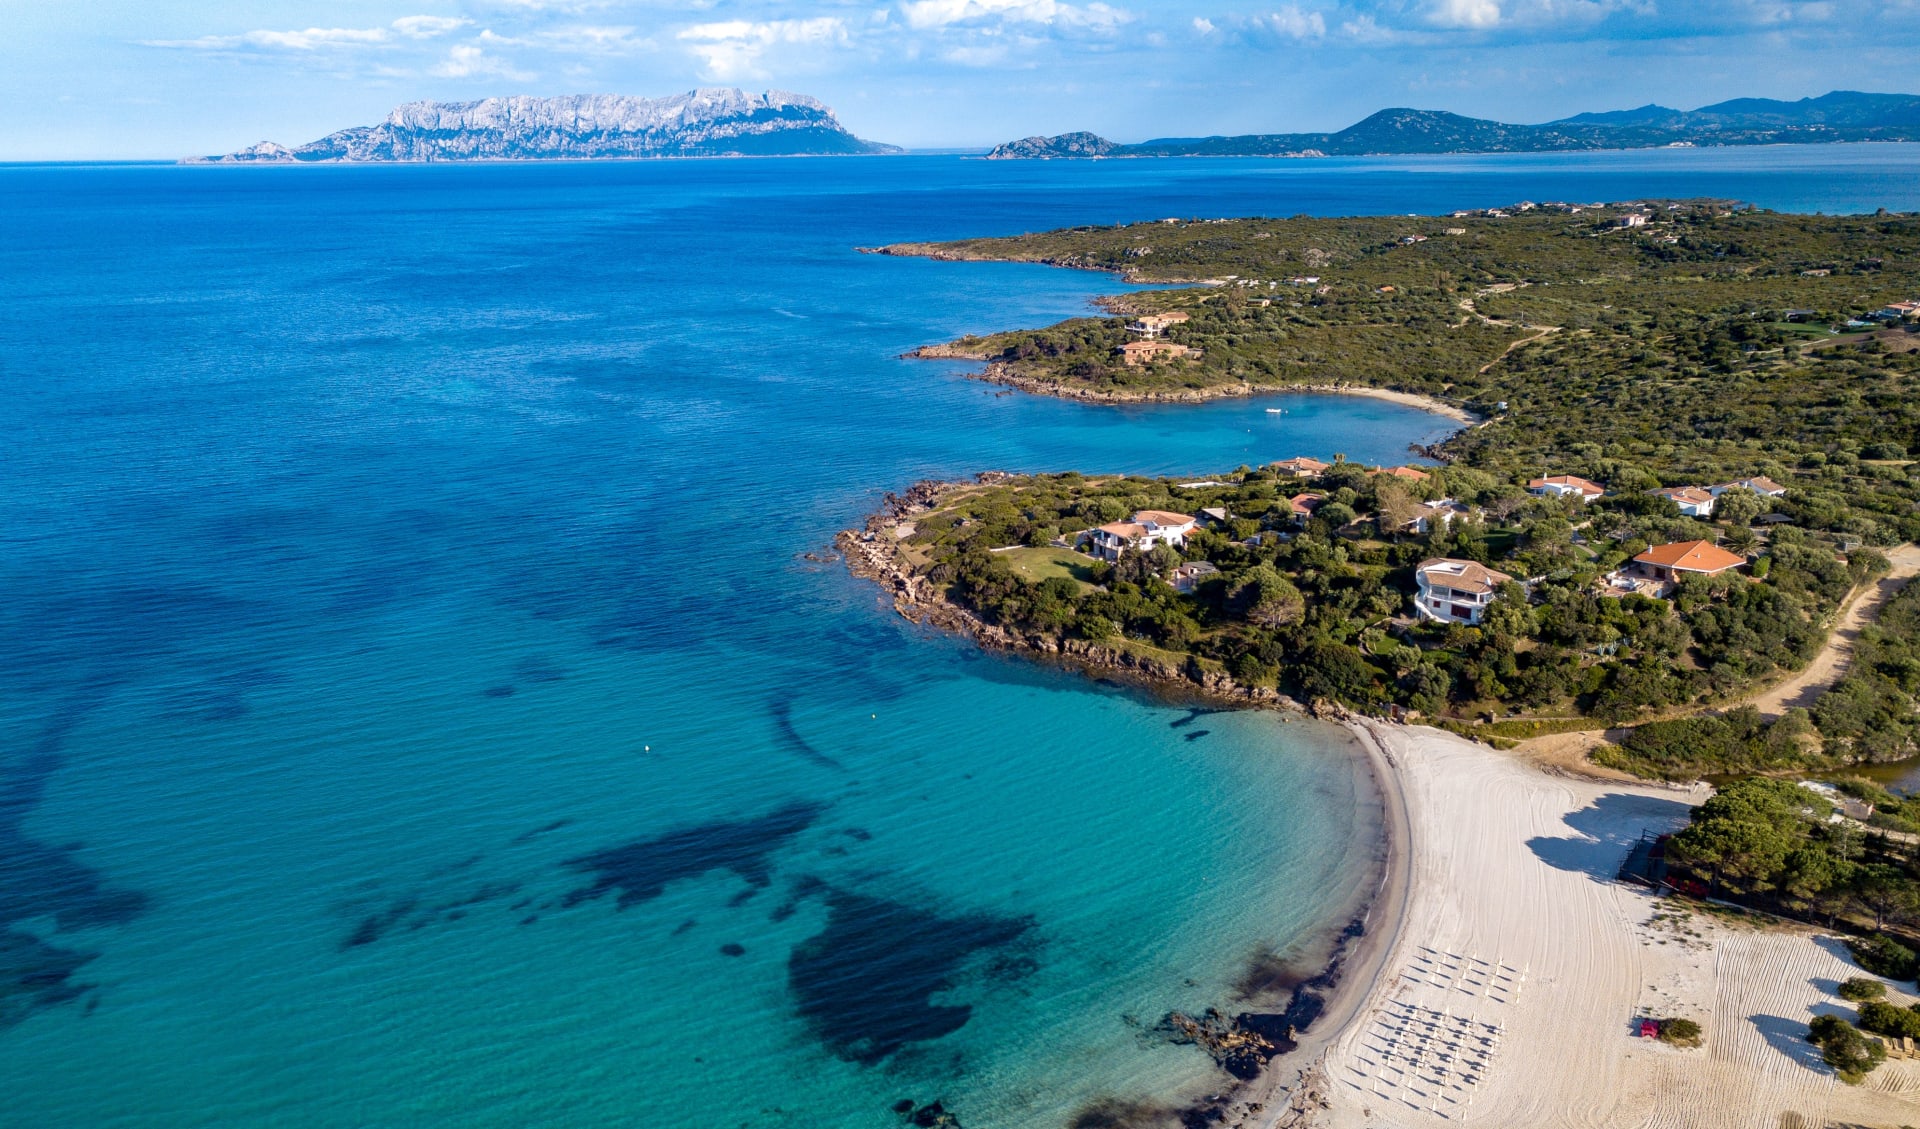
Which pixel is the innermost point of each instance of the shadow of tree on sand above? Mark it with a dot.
(1605, 830)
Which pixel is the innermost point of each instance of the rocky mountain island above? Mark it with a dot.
(1842, 115)
(712, 122)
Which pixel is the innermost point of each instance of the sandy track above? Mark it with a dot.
(1510, 991)
(1831, 663)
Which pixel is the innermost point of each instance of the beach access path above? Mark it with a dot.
(1518, 965)
(1831, 663)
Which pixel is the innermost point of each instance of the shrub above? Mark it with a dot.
(1682, 1032)
(1884, 956)
(1860, 989)
(1851, 1054)
(1883, 1018)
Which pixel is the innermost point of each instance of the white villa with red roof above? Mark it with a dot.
(1692, 500)
(1759, 484)
(1562, 485)
(1454, 591)
(1146, 529)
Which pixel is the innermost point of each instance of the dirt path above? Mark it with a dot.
(1473, 311)
(1826, 668)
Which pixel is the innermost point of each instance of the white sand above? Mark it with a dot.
(1511, 985)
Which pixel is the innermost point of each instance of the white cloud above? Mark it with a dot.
(1465, 13)
(734, 48)
(309, 39)
(942, 13)
(319, 38)
(465, 60)
(1289, 23)
(1294, 23)
(426, 27)
(594, 40)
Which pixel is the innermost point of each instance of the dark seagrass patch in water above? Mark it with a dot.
(865, 983)
(641, 870)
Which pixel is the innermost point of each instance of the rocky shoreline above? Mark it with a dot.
(874, 553)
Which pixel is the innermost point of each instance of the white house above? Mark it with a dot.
(1692, 500)
(1759, 484)
(1455, 591)
(1560, 485)
(1153, 325)
(1147, 529)
(1442, 513)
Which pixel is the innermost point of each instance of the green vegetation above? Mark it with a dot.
(1851, 1054)
(1038, 565)
(1772, 844)
(1639, 358)
(1680, 1032)
(1860, 989)
(1883, 1018)
(1885, 956)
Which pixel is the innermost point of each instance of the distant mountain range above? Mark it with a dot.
(1842, 115)
(701, 123)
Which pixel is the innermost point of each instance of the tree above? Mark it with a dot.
(1267, 598)
(1851, 1054)
(1748, 829)
(1394, 505)
(1860, 989)
(1886, 892)
(1740, 505)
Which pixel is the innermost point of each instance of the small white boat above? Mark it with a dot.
(1276, 411)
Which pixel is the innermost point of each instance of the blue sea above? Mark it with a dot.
(427, 698)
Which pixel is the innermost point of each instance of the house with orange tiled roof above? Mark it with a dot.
(1304, 505)
(1656, 571)
(1301, 467)
(1143, 531)
(1563, 485)
(1670, 562)
(1137, 353)
(1692, 500)
(1454, 591)
(1405, 473)
(1759, 484)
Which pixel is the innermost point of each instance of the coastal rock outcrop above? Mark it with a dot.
(708, 122)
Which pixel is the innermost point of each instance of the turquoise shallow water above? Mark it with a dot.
(417, 706)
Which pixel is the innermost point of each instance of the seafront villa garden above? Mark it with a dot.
(1327, 601)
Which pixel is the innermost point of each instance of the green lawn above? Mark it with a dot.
(1039, 564)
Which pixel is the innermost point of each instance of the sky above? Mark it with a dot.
(93, 79)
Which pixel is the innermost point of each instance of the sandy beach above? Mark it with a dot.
(1507, 968)
(1002, 373)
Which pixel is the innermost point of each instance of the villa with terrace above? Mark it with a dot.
(1692, 500)
(1566, 485)
(1455, 591)
(1656, 571)
(1143, 531)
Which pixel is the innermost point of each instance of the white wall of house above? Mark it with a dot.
(1448, 605)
